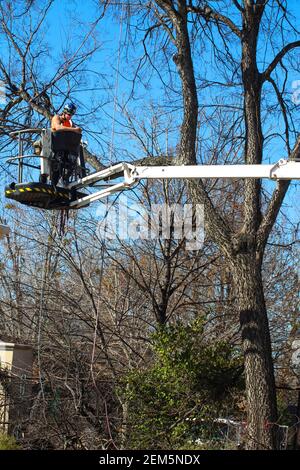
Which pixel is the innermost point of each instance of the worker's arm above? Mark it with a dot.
(56, 125)
(67, 129)
(76, 128)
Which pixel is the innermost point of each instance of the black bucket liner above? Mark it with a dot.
(67, 141)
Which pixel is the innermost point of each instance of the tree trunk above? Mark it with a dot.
(243, 250)
(259, 373)
(254, 137)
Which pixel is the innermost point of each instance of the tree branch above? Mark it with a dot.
(292, 45)
(207, 13)
(275, 205)
(93, 160)
(284, 112)
(36, 107)
(168, 8)
(239, 7)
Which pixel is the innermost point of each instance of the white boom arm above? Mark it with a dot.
(282, 170)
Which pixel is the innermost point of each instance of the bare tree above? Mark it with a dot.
(178, 27)
(233, 31)
(32, 91)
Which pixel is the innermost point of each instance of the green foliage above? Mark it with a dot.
(8, 442)
(189, 382)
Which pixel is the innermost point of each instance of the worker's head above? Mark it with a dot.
(69, 110)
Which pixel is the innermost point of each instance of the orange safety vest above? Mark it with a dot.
(66, 123)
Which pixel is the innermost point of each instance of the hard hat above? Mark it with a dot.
(70, 108)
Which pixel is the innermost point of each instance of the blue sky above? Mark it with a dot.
(66, 23)
(67, 20)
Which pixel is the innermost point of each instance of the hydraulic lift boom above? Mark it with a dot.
(63, 173)
(131, 174)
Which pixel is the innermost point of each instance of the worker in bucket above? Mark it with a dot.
(60, 122)
(64, 121)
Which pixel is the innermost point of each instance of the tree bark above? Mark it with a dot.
(252, 84)
(241, 248)
(256, 341)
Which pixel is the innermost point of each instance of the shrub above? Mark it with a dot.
(8, 442)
